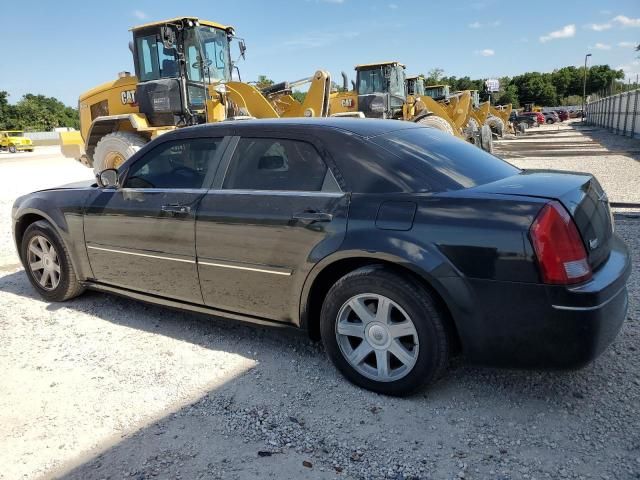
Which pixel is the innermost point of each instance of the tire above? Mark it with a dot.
(115, 148)
(472, 130)
(429, 358)
(549, 121)
(486, 139)
(496, 124)
(68, 286)
(436, 122)
(12, 149)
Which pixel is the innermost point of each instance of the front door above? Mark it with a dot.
(278, 212)
(141, 236)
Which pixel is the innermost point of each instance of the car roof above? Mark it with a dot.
(364, 127)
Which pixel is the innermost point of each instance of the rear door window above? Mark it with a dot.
(434, 161)
(277, 164)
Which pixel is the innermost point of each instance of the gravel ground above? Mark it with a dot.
(105, 387)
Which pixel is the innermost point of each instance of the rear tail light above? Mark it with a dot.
(561, 254)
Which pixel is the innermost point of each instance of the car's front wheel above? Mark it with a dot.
(47, 263)
(384, 332)
(12, 149)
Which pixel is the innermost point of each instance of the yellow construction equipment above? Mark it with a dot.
(183, 76)
(382, 90)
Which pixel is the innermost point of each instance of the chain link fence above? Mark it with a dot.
(619, 113)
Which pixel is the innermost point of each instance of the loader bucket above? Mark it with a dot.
(72, 145)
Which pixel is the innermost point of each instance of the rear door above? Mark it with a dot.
(276, 212)
(142, 235)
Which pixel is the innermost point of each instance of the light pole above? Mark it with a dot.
(584, 85)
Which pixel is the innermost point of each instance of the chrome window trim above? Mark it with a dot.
(278, 192)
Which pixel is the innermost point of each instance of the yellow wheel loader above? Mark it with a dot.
(382, 90)
(183, 76)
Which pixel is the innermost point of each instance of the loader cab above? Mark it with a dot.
(381, 89)
(415, 86)
(437, 92)
(175, 62)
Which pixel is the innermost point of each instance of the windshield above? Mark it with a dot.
(437, 92)
(154, 60)
(415, 86)
(16, 134)
(213, 44)
(383, 79)
(435, 161)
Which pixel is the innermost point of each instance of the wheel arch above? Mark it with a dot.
(324, 276)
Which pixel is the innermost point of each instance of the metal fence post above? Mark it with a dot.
(617, 130)
(635, 114)
(626, 113)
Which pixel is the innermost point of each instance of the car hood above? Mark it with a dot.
(74, 185)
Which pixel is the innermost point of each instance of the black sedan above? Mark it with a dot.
(397, 245)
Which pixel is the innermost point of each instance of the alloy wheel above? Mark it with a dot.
(377, 337)
(44, 262)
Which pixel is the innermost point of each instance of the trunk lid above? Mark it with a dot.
(580, 193)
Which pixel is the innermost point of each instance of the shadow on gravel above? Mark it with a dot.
(294, 396)
(615, 144)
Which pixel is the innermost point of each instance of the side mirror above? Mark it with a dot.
(243, 48)
(108, 178)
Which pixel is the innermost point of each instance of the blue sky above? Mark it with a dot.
(65, 47)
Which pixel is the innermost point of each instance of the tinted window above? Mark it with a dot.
(177, 164)
(275, 164)
(436, 161)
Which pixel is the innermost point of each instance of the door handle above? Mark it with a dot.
(310, 216)
(176, 209)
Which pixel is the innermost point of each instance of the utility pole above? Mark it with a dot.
(584, 85)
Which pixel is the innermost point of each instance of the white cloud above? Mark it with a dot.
(602, 46)
(495, 23)
(627, 44)
(567, 31)
(487, 52)
(599, 27)
(139, 14)
(626, 21)
(393, 6)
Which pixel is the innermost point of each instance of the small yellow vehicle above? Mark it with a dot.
(14, 141)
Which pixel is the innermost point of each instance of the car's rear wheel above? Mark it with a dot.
(47, 263)
(384, 332)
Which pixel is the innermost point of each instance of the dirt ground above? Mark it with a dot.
(105, 387)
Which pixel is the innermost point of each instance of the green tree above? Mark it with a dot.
(37, 112)
(434, 76)
(509, 94)
(299, 96)
(536, 87)
(263, 82)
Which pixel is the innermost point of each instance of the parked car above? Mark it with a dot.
(398, 245)
(526, 121)
(14, 141)
(563, 115)
(539, 117)
(550, 117)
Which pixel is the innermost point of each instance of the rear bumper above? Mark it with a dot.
(540, 326)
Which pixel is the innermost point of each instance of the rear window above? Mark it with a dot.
(435, 161)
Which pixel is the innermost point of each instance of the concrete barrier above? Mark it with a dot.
(43, 138)
(620, 114)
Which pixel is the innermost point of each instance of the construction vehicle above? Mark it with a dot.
(183, 76)
(14, 141)
(382, 90)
